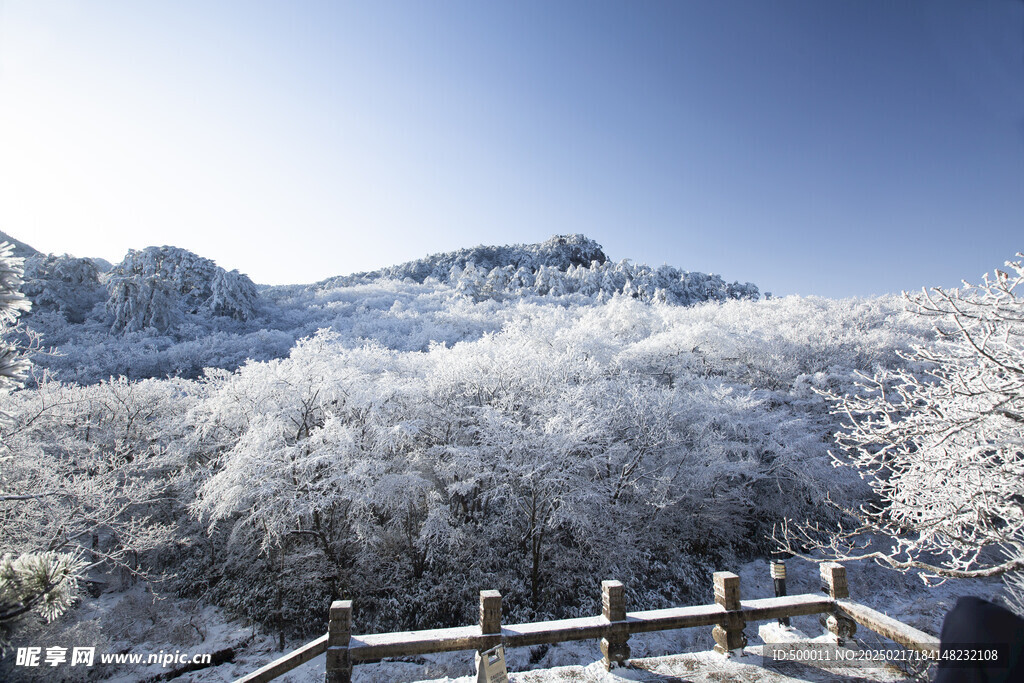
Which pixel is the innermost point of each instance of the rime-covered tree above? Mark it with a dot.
(13, 365)
(942, 441)
(159, 286)
(64, 284)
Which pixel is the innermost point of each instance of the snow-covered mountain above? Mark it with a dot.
(167, 311)
(561, 252)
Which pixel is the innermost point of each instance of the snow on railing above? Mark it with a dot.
(613, 627)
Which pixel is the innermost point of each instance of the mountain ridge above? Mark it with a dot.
(559, 251)
(21, 249)
(167, 311)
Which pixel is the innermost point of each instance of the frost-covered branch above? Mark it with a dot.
(941, 442)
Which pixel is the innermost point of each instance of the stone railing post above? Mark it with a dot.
(490, 623)
(339, 632)
(833, 582)
(614, 647)
(490, 612)
(727, 594)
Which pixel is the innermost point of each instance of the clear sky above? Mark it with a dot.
(835, 148)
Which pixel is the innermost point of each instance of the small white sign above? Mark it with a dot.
(490, 666)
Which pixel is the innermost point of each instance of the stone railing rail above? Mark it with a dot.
(613, 627)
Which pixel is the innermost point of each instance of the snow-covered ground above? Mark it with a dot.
(663, 656)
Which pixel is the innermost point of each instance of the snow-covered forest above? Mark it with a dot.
(530, 419)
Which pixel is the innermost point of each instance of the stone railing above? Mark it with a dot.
(728, 615)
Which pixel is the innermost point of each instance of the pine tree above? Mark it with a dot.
(13, 365)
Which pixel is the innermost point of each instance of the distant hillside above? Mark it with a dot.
(20, 248)
(563, 265)
(561, 252)
(166, 311)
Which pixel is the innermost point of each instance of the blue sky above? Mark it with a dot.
(831, 148)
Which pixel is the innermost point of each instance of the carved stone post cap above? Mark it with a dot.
(725, 578)
(833, 580)
(339, 605)
(727, 590)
